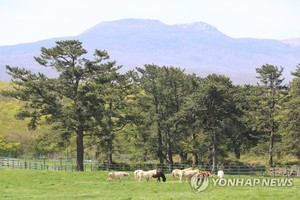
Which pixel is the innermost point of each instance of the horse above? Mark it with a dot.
(203, 175)
(117, 175)
(147, 174)
(187, 174)
(178, 172)
(159, 174)
(138, 174)
(221, 174)
(199, 180)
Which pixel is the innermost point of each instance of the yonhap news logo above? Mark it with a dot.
(201, 184)
(252, 182)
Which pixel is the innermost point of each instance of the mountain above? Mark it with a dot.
(197, 47)
(295, 42)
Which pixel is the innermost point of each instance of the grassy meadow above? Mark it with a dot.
(31, 184)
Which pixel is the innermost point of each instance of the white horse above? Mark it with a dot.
(177, 172)
(117, 175)
(148, 174)
(221, 174)
(187, 174)
(137, 175)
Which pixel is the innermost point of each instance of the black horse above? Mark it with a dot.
(159, 174)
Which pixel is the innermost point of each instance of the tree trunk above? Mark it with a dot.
(271, 148)
(109, 152)
(183, 157)
(237, 150)
(195, 156)
(145, 154)
(110, 160)
(169, 148)
(80, 150)
(170, 155)
(159, 149)
(159, 136)
(237, 153)
(214, 154)
(272, 126)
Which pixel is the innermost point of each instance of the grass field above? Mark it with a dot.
(60, 185)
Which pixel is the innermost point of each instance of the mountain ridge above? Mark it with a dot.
(196, 47)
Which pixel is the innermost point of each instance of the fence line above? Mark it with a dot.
(258, 170)
(33, 165)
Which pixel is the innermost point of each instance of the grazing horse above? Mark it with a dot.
(138, 174)
(147, 174)
(117, 175)
(221, 174)
(200, 180)
(187, 174)
(159, 174)
(175, 173)
(203, 175)
(178, 172)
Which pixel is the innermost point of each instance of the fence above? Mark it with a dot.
(58, 165)
(257, 170)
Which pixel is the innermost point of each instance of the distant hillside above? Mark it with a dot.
(294, 42)
(198, 47)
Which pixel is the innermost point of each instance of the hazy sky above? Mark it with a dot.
(32, 20)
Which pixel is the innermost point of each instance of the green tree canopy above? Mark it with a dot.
(268, 96)
(215, 108)
(68, 102)
(290, 124)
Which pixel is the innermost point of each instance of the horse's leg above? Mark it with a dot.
(164, 178)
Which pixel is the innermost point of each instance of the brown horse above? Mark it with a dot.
(159, 174)
(202, 175)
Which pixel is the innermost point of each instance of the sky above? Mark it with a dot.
(23, 21)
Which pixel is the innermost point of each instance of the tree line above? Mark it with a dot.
(155, 111)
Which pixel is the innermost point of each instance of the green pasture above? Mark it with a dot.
(61, 185)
